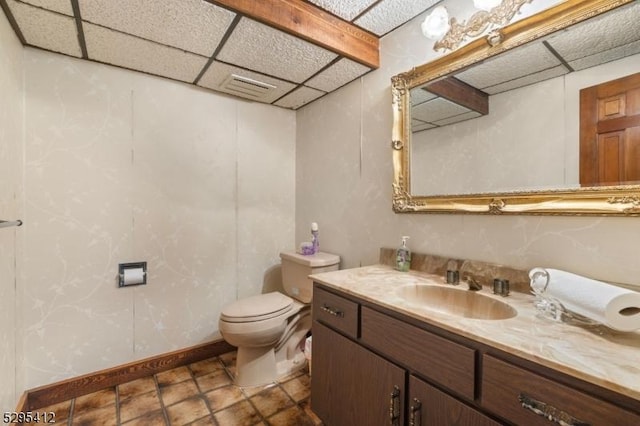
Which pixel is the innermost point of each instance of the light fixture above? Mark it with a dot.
(450, 33)
(486, 4)
(436, 24)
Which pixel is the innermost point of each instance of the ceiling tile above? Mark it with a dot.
(527, 80)
(508, 66)
(437, 109)
(192, 25)
(127, 51)
(47, 30)
(346, 9)
(458, 118)
(218, 73)
(581, 50)
(337, 75)
(255, 46)
(608, 56)
(419, 96)
(60, 6)
(418, 126)
(299, 97)
(389, 14)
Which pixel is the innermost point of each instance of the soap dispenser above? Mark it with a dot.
(403, 256)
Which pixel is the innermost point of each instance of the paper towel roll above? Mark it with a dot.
(133, 276)
(613, 306)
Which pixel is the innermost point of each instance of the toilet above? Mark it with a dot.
(269, 329)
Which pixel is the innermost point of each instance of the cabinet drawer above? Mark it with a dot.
(441, 360)
(336, 312)
(525, 398)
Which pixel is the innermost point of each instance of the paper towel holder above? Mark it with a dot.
(132, 265)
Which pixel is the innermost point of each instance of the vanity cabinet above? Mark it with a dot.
(373, 366)
(364, 366)
(526, 398)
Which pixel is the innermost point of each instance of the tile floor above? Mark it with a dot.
(198, 394)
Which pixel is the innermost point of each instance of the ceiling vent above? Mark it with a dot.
(247, 87)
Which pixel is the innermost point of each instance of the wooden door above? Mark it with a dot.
(610, 132)
(351, 385)
(430, 407)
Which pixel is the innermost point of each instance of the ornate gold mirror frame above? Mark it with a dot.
(605, 200)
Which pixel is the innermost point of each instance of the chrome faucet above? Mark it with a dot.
(472, 283)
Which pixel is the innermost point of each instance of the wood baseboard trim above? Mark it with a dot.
(46, 395)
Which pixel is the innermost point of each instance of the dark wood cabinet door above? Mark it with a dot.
(351, 385)
(430, 407)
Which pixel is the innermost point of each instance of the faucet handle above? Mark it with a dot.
(453, 277)
(501, 287)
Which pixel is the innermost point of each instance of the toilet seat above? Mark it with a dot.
(257, 308)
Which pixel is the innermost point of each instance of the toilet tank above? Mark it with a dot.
(296, 269)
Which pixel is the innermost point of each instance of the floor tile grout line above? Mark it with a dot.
(263, 418)
(71, 409)
(242, 391)
(201, 395)
(298, 404)
(295, 403)
(118, 419)
(245, 397)
(162, 406)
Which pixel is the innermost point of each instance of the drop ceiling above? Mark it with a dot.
(608, 37)
(282, 52)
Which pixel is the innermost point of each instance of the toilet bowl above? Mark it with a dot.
(269, 329)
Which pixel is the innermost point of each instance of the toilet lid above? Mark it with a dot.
(257, 308)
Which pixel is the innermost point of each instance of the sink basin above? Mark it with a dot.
(456, 301)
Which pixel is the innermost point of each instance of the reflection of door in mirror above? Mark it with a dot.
(610, 132)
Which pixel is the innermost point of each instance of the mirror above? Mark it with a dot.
(495, 129)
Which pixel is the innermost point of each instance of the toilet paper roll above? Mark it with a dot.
(133, 276)
(613, 306)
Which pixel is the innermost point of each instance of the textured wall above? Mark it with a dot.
(11, 113)
(344, 176)
(122, 167)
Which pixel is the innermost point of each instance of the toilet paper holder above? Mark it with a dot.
(133, 273)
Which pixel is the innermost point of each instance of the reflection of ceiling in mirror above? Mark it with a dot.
(440, 112)
(526, 65)
(529, 141)
(606, 38)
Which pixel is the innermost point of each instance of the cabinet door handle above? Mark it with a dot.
(415, 413)
(394, 406)
(549, 412)
(332, 311)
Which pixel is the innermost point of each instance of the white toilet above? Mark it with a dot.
(268, 329)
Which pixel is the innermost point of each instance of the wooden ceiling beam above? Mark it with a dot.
(461, 93)
(308, 22)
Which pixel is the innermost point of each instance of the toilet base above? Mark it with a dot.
(258, 367)
(255, 366)
(290, 366)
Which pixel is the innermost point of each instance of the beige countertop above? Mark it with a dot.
(597, 355)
